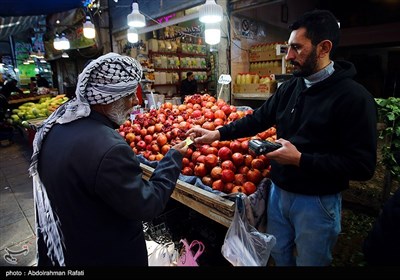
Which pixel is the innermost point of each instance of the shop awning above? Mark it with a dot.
(37, 7)
(17, 16)
(17, 24)
(154, 8)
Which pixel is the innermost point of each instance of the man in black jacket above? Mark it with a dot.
(188, 86)
(90, 197)
(326, 123)
(10, 87)
(41, 81)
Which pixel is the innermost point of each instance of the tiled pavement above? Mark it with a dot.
(17, 239)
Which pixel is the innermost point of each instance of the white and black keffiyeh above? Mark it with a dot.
(103, 81)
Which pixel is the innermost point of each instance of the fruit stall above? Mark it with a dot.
(220, 169)
(31, 113)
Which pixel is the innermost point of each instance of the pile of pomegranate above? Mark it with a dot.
(226, 166)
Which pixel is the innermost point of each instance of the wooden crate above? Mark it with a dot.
(207, 203)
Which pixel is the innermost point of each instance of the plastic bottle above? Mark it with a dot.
(248, 79)
(238, 79)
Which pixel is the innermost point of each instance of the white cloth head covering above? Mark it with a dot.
(103, 81)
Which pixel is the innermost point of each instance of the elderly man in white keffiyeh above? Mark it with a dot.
(90, 198)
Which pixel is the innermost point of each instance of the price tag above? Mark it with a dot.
(281, 49)
(224, 79)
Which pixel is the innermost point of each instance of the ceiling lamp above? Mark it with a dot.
(64, 42)
(88, 29)
(57, 43)
(133, 35)
(210, 12)
(64, 55)
(136, 19)
(212, 33)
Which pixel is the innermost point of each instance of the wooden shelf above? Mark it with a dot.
(179, 54)
(27, 99)
(147, 81)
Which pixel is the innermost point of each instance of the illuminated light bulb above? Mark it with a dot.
(210, 12)
(136, 19)
(88, 29)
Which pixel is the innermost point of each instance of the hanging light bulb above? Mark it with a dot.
(88, 29)
(64, 42)
(57, 43)
(212, 33)
(133, 35)
(136, 19)
(210, 12)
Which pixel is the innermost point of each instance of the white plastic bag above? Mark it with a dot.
(161, 254)
(243, 244)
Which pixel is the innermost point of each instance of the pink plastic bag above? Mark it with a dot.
(187, 257)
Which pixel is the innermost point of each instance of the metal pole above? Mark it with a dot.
(110, 26)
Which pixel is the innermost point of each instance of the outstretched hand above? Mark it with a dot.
(181, 147)
(201, 135)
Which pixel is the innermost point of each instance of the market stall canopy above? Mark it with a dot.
(18, 16)
(15, 8)
(154, 8)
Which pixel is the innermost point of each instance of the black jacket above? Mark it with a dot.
(188, 87)
(333, 125)
(8, 88)
(95, 186)
(42, 82)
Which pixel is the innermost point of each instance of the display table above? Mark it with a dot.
(206, 203)
(28, 99)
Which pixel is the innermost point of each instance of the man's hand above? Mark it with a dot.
(181, 147)
(203, 136)
(287, 154)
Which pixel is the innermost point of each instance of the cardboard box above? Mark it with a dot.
(255, 88)
(263, 56)
(236, 88)
(270, 70)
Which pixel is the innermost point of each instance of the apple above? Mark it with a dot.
(237, 159)
(148, 138)
(187, 171)
(240, 179)
(207, 180)
(141, 145)
(257, 163)
(249, 187)
(228, 164)
(162, 139)
(224, 153)
(200, 170)
(254, 175)
(216, 173)
(228, 187)
(227, 176)
(211, 161)
(218, 185)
